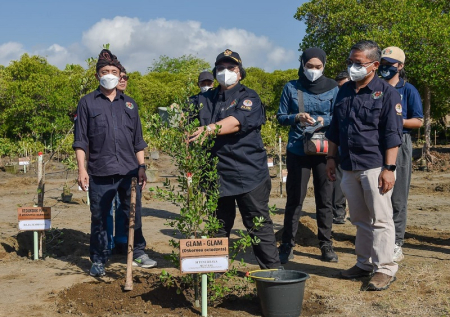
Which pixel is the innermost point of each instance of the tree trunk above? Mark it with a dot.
(427, 125)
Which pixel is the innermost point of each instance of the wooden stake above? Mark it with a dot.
(129, 280)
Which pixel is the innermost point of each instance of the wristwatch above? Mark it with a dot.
(143, 166)
(390, 168)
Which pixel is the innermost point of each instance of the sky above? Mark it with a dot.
(263, 32)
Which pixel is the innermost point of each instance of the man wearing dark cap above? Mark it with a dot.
(205, 81)
(108, 133)
(242, 168)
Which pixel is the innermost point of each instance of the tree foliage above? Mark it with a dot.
(186, 64)
(38, 101)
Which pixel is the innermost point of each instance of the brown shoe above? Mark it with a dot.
(380, 281)
(354, 272)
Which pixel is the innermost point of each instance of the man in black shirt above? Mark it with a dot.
(108, 133)
(367, 125)
(242, 167)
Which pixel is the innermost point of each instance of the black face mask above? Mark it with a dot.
(387, 71)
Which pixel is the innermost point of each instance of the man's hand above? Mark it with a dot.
(331, 169)
(142, 178)
(83, 179)
(386, 181)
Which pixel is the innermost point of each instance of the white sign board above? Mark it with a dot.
(24, 161)
(38, 224)
(204, 264)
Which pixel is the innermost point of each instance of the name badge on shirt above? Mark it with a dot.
(247, 105)
(398, 109)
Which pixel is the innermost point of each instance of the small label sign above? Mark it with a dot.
(204, 264)
(203, 247)
(24, 161)
(270, 162)
(33, 213)
(43, 224)
(203, 255)
(34, 218)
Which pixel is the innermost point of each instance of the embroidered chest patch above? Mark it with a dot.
(398, 109)
(129, 105)
(247, 105)
(377, 95)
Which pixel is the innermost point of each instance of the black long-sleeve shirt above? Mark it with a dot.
(109, 132)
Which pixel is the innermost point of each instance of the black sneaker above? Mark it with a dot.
(286, 253)
(328, 253)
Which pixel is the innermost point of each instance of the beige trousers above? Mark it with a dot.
(371, 213)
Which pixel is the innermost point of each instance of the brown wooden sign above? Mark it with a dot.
(203, 247)
(203, 255)
(34, 213)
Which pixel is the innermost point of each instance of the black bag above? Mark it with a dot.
(316, 143)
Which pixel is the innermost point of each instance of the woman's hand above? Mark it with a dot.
(304, 118)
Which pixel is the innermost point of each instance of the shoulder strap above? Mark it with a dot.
(301, 102)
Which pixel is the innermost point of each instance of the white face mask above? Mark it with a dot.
(312, 74)
(226, 77)
(205, 88)
(358, 73)
(109, 81)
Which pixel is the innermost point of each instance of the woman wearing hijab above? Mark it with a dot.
(318, 93)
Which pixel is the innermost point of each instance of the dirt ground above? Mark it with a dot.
(60, 284)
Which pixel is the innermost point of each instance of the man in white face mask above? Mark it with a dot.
(367, 125)
(242, 168)
(108, 133)
(205, 81)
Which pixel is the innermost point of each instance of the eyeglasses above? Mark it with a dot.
(230, 68)
(124, 77)
(349, 62)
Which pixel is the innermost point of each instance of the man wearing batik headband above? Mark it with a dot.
(393, 71)
(367, 125)
(242, 168)
(108, 133)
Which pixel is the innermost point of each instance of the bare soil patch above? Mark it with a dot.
(60, 284)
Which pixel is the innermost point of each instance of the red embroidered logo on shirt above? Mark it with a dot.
(377, 94)
(129, 105)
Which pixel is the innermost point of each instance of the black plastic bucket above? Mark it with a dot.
(280, 292)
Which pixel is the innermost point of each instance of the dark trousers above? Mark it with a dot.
(252, 204)
(299, 170)
(102, 191)
(400, 192)
(339, 202)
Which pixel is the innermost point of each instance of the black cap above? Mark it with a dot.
(229, 55)
(205, 76)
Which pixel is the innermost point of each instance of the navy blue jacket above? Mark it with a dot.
(366, 124)
(110, 133)
(242, 158)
